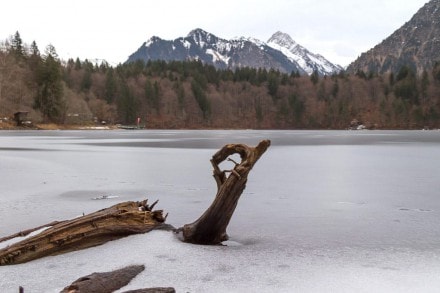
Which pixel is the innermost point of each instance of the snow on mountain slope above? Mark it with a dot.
(280, 53)
(306, 59)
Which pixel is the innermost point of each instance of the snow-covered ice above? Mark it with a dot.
(324, 211)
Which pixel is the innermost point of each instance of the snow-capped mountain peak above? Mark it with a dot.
(282, 39)
(281, 52)
(152, 40)
(249, 39)
(202, 37)
(309, 61)
(199, 34)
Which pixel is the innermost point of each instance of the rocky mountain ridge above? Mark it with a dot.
(308, 61)
(416, 44)
(279, 53)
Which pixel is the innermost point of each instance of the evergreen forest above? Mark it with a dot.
(192, 95)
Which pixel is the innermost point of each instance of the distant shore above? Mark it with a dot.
(53, 126)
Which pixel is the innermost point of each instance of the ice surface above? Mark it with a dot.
(324, 211)
(256, 266)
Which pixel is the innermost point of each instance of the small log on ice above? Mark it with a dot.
(111, 281)
(104, 282)
(112, 223)
(153, 290)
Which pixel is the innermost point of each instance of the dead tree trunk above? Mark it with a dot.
(210, 228)
(90, 230)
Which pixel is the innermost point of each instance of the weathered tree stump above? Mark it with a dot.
(210, 228)
(89, 230)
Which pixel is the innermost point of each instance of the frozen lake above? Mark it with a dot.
(323, 211)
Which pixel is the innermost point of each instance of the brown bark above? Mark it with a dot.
(104, 282)
(153, 290)
(108, 282)
(210, 228)
(90, 230)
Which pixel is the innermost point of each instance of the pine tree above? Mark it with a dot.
(86, 82)
(34, 49)
(335, 88)
(34, 58)
(405, 86)
(127, 104)
(424, 84)
(314, 77)
(273, 83)
(201, 98)
(17, 46)
(152, 94)
(78, 64)
(110, 86)
(49, 99)
(180, 92)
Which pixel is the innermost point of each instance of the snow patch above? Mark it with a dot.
(186, 44)
(148, 43)
(217, 57)
(224, 46)
(9, 242)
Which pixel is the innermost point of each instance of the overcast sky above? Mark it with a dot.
(340, 30)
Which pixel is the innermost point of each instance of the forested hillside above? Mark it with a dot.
(190, 94)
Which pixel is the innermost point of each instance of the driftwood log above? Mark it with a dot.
(89, 230)
(108, 282)
(210, 228)
(104, 282)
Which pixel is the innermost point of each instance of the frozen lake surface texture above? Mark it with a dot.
(323, 211)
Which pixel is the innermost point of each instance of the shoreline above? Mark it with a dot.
(8, 126)
(51, 126)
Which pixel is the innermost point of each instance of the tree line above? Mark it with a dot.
(190, 94)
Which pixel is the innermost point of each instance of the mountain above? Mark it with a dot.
(308, 61)
(416, 44)
(280, 53)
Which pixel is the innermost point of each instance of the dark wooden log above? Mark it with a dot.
(210, 228)
(108, 282)
(115, 222)
(153, 290)
(104, 282)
